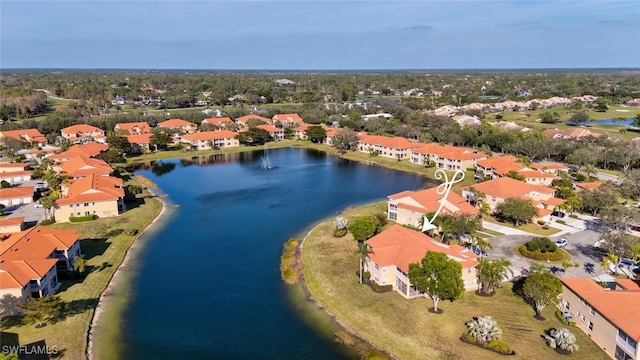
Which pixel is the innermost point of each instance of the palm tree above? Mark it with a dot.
(79, 264)
(562, 339)
(47, 202)
(363, 252)
(484, 329)
(590, 170)
(490, 274)
(536, 267)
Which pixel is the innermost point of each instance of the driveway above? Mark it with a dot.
(580, 248)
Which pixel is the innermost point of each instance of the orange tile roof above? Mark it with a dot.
(549, 166)
(25, 135)
(93, 188)
(210, 135)
(304, 127)
(588, 185)
(244, 119)
(16, 192)
(430, 200)
(12, 221)
(140, 139)
(448, 152)
(13, 165)
(217, 121)
(529, 174)
(80, 128)
(87, 150)
(175, 123)
(499, 162)
(82, 166)
(134, 128)
(400, 246)
(289, 118)
(392, 143)
(270, 128)
(628, 284)
(543, 212)
(620, 307)
(332, 132)
(506, 187)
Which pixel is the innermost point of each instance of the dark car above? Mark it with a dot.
(635, 228)
(558, 214)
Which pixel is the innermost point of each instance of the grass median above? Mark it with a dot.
(404, 327)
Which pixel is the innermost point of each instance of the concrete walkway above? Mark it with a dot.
(505, 229)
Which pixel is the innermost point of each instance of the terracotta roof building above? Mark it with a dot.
(133, 128)
(139, 142)
(586, 185)
(88, 150)
(288, 119)
(28, 261)
(206, 140)
(446, 157)
(11, 225)
(396, 247)
(102, 196)
(569, 133)
(16, 196)
(83, 166)
(501, 166)
(242, 120)
(14, 172)
(610, 317)
(179, 124)
(408, 207)
(81, 132)
(219, 121)
(275, 132)
(25, 135)
(390, 147)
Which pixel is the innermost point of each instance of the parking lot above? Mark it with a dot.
(31, 214)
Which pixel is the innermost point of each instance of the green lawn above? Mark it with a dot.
(532, 228)
(491, 232)
(404, 327)
(104, 245)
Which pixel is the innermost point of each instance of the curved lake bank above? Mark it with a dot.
(208, 284)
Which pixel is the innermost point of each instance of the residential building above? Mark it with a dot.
(25, 135)
(396, 247)
(29, 261)
(466, 120)
(579, 186)
(446, 110)
(609, 316)
(288, 119)
(571, 133)
(395, 148)
(446, 157)
(222, 122)
(102, 196)
(551, 168)
(634, 102)
(498, 190)
(275, 132)
(139, 142)
(88, 150)
(14, 172)
(377, 116)
(179, 124)
(134, 128)
(242, 120)
(80, 166)
(536, 177)
(119, 100)
(83, 132)
(16, 196)
(301, 130)
(408, 207)
(328, 140)
(501, 166)
(12, 225)
(206, 140)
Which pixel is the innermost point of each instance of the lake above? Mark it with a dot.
(208, 283)
(626, 121)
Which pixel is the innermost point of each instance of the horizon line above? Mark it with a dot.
(314, 70)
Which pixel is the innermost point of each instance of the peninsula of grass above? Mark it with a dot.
(104, 244)
(404, 327)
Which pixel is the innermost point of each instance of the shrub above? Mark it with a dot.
(578, 176)
(75, 219)
(430, 164)
(499, 346)
(541, 222)
(561, 339)
(536, 255)
(573, 216)
(380, 288)
(366, 275)
(340, 233)
(471, 169)
(48, 221)
(541, 244)
(131, 232)
(561, 222)
(4, 184)
(563, 320)
(484, 329)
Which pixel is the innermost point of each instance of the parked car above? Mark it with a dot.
(38, 205)
(41, 185)
(635, 228)
(558, 214)
(562, 242)
(628, 262)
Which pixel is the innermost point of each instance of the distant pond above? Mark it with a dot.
(627, 122)
(208, 284)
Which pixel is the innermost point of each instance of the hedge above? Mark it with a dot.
(379, 288)
(430, 165)
(48, 221)
(573, 216)
(497, 346)
(561, 222)
(75, 219)
(563, 320)
(536, 255)
(471, 169)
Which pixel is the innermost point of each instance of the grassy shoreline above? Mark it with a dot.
(403, 327)
(105, 245)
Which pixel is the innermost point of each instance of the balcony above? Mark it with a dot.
(622, 342)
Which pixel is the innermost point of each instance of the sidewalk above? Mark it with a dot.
(505, 229)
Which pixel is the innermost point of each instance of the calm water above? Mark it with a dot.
(626, 121)
(209, 283)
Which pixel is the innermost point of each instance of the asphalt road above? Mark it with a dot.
(580, 247)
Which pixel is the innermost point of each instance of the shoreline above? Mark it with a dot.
(97, 313)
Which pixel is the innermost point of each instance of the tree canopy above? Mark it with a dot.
(541, 289)
(363, 228)
(516, 210)
(437, 276)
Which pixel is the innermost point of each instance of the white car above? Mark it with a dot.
(562, 242)
(38, 205)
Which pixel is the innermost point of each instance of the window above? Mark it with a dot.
(469, 270)
(86, 204)
(393, 207)
(71, 205)
(78, 214)
(87, 213)
(567, 305)
(590, 326)
(493, 198)
(377, 267)
(621, 355)
(393, 216)
(592, 311)
(384, 269)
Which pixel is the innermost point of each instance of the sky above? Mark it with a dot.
(320, 35)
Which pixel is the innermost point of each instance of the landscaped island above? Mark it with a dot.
(405, 328)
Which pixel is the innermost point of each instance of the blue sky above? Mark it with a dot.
(301, 35)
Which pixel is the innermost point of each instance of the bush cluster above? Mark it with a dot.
(563, 320)
(541, 244)
(430, 164)
(471, 169)
(536, 255)
(499, 346)
(131, 232)
(380, 288)
(75, 219)
(561, 222)
(573, 216)
(48, 221)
